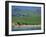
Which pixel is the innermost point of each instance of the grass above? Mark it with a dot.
(34, 20)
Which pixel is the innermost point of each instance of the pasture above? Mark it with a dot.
(34, 20)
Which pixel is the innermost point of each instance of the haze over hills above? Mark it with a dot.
(25, 11)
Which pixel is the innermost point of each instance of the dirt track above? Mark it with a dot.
(26, 27)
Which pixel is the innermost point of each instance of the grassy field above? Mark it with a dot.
(34, 20)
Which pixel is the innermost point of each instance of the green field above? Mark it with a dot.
(34, 20)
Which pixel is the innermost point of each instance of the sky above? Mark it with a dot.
(25, 8)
